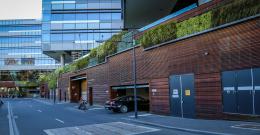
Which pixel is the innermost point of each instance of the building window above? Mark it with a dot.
(116, 16)
(68, 37)
(81, 6)
(105, 16)
(105, 25)
(56, 6)
(11, 61)
(93, 16)
(69, 16)
(69, 6)
(57, 17)
(56, 37)
(69, 26)
(27, 61)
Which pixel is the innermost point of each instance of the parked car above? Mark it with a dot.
(126, 103)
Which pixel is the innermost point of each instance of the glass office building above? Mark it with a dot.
(70, 28)
(21, 57)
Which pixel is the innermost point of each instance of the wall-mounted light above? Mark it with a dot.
(206, 53)
(154, 91)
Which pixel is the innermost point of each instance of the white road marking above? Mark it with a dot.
(48, 132)
(238, 127)
(39, 110)
(60, 121)
(13, 130)
(119, 128)
(95, 108)
(141, 115)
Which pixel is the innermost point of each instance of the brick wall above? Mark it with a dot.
(205, 55)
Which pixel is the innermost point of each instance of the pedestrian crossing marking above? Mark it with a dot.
(112, 128)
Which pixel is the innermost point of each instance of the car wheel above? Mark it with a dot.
(123, 109)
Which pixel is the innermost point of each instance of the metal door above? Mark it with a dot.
(175, 95)
(188, 95)
(182, 95)
(256, 76)
(229, 91)
(245, 91)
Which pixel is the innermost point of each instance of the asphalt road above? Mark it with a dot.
(31, 117)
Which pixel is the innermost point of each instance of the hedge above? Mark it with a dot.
(235, 10)
(193, 25)
(109, 47)
(159, 34)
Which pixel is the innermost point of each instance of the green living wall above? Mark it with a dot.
(220, 15)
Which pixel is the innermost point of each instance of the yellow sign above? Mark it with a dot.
(187, 92)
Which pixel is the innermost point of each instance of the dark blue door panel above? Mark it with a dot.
(256, 76)
(188, 95)
(245, 91)
(182, 95)
(229, 91)
(175, 95)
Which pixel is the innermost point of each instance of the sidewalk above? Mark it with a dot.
(209, 127)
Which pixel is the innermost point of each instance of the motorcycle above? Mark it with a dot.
(83, 105)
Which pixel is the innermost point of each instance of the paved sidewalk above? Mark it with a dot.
(211, 127)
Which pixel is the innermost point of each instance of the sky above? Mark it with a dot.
(20, 9)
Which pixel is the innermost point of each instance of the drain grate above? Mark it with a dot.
(248, 126)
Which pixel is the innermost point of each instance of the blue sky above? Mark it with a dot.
(20, 9)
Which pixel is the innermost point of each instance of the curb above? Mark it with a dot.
(177, 128)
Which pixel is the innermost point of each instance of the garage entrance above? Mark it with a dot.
(182, 97)
(241, 91)
(142, 91)
(78, 88)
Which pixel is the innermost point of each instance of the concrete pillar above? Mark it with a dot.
(62, 57)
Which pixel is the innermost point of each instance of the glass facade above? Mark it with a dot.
(78, 26)
(20, 50)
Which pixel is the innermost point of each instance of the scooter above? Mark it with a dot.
(83, 105)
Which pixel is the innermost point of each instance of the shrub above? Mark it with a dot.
(159, 34)
(235, 10)
(81, 63)
(193, 25)
(109, 47)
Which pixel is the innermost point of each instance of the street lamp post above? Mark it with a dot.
(134, 76)
(134, 73)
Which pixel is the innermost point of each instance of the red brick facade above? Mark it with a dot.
(205, 55)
